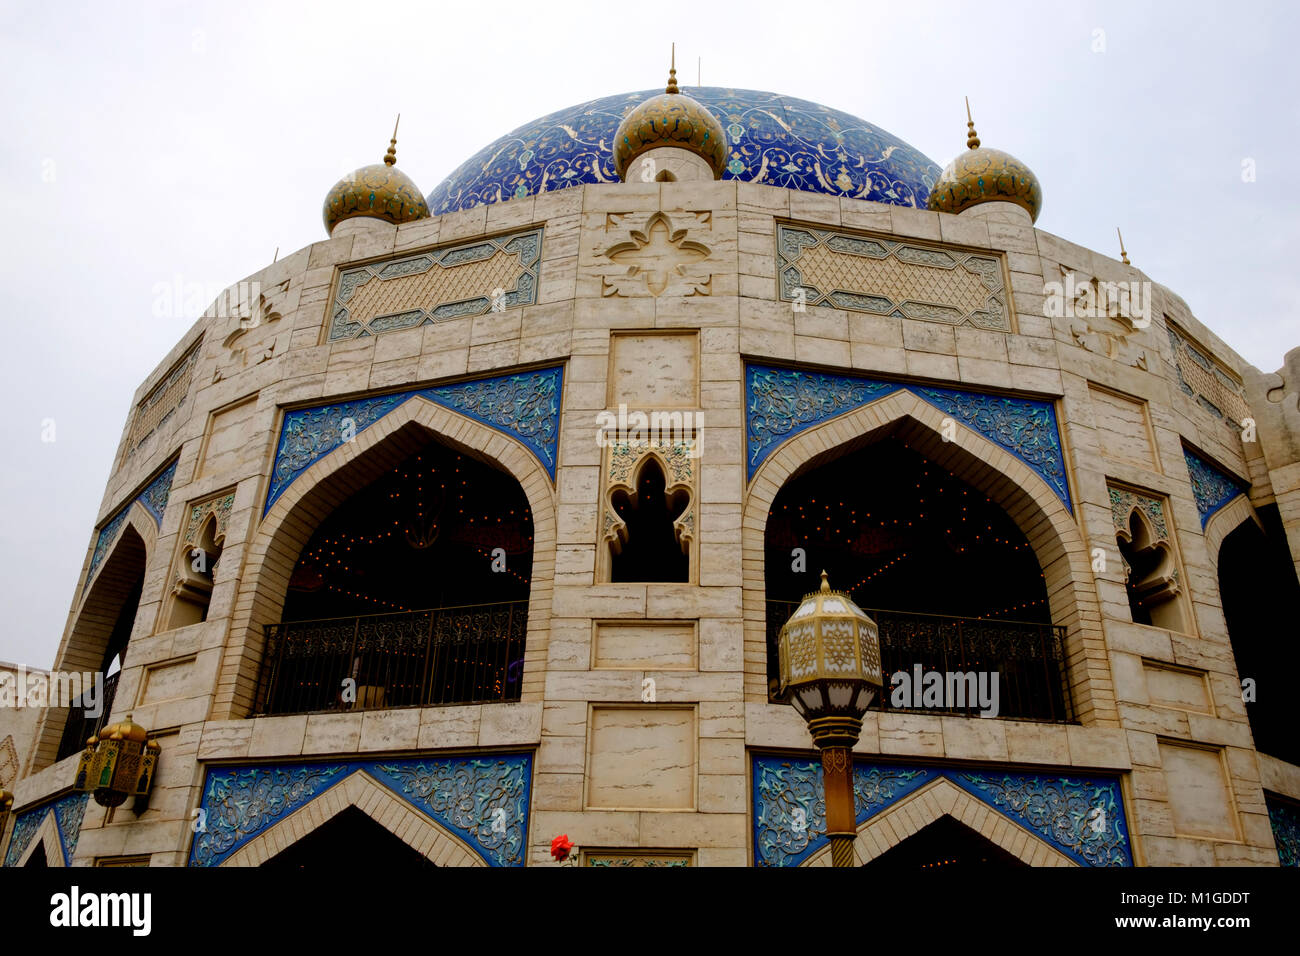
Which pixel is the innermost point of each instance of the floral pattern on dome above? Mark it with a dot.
(771, 139)
(671, 119)
(986, 175)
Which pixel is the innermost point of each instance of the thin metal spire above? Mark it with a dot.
(390, 158)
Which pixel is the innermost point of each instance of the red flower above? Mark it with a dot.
(560, 847)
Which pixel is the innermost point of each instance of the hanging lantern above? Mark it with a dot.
(118, 763)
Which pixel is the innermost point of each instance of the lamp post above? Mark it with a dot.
(830, 671)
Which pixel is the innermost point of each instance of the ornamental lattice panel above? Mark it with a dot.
(447, 283)
(883, 276)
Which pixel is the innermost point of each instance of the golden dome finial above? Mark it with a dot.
(972, 138)
(390, 158)
(380, 191)
(1122, 253)
(672, 73)
(826, 584)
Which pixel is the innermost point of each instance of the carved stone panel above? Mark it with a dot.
(484, 275)
(656, 255)
(1199, 375)
(886, 276)
(163, 399)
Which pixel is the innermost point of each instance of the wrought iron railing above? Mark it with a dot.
(1029, 659)
(81, 726)
(449, 655)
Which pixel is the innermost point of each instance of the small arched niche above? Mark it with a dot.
(195, 572)
(1150, 574)
(650, 537)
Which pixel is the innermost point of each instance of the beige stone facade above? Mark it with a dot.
(655, 295)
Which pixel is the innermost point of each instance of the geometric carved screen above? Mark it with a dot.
(442, 284)
(888, 277)
(1205, 380)
(165, 397)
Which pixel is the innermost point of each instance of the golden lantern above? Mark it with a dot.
(830, 672)
(118, 763)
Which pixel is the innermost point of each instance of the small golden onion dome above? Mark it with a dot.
(128, 729)
(983, 175)
(670, 119)
(381, 190)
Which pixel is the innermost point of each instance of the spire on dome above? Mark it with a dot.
(379, 191)
(981, 175)
(390, 158)
(1123, 254)
(670, 118)
(972, 138)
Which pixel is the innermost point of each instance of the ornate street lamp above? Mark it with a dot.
(830, 672)
(118, 763)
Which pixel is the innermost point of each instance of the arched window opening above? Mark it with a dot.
(651, 546)
(414, 591)
(196, 571)
(99, 640)
(946, 844)
(947, 575)
(1259, 590)
(1150, 575)
(373, 848)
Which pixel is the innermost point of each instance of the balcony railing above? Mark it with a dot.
(1028, 658)
(450, 655)
(81, 726)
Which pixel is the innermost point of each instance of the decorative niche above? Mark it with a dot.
(1147, 549)
(649, 512)
(196, 564)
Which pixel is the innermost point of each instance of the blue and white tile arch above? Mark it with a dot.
(1212, 487)
(523, 405)
(153, 499)
(772, 139)
(782, 402)
(68, 813)
(464, 794)
(1081, 815)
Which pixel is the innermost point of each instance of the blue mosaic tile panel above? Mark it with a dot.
(1212, 487)
(1080, 815)
(781, 402)
(525, 406)
(153, 498)
(68, 813)
(464, 794)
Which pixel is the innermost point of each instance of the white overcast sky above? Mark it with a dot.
(147, 143)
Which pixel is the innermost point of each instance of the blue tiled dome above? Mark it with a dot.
(772, 139)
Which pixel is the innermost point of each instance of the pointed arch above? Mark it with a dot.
(942, 798)
(1225, 521)
(289, 523)
(1028, 500)
(102, 621)
(360, 790)
(47, 838)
